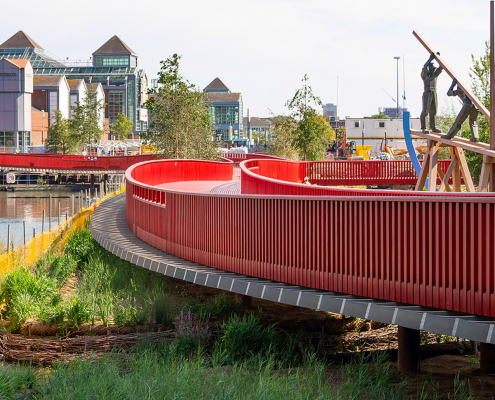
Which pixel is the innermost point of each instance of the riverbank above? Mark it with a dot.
(45, 188)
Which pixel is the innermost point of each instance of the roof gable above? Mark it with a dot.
(114, 46)
(47, 80)
(216, 85)
(20, 40)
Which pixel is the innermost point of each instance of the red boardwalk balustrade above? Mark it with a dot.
(71, 162)
(431, 249)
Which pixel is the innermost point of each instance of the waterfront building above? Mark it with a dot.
(16, 88)
(113, 65)
(225, 112)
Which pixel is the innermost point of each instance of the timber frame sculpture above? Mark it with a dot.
(458, 168)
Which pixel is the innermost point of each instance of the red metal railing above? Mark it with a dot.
(237, 158)
(71, 162)
(429, 249)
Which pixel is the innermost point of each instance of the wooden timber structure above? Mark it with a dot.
(457, 145)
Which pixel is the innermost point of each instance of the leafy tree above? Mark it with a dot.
(313, 132)
(122, 128)
(61, 138)
(180, 123)
(87, 118)
(282, 136)
(480, 83)
(378, 116)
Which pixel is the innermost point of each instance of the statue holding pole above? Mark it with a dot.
(468, 110)
(429, 74)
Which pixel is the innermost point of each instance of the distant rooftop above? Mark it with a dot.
(19, 63)
(217, 85)
(46, 80)
(20, 40)
(74, 83)
(114, 46)
(219, 97)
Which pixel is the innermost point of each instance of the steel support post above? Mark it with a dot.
(409, 340)
(487, 358)
(92, 184)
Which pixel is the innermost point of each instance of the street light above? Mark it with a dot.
(397, 58)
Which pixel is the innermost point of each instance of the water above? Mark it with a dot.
(28, 206)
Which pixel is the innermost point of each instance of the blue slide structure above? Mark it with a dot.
(409, 144)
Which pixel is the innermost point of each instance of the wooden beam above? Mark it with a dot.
(445, 179)
(456, 175)
(468, 181)
(485, 173)
(482, 148)
(479, 105)
(432, 175)
(420, 184)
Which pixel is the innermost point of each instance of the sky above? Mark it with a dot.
(263, 48)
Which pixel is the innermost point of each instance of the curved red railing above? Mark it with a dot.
(431, 249)
(71, 162)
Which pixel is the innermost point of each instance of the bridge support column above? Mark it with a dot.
(487, 358)
(92, 184)
(408, 360)
(105, 184)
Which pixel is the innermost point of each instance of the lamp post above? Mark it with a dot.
(397, 58)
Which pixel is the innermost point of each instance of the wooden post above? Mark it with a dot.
(456, 173)
(432, 175)
(50, 213)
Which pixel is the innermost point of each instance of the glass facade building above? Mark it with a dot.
(114, 65)
(225, 112)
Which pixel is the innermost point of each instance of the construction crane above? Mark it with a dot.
(389, 95)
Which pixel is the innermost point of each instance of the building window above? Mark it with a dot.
(224, 115)
(7, 139)
(115, 104)
(131, 97)
(111, 61)
(73, 101)
(53, 105)
(381, 124)
(356, 124)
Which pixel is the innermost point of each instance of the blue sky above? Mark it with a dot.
(263, 48)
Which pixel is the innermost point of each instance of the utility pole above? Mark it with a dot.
(397, 58)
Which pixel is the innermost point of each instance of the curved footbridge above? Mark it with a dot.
(422, 261)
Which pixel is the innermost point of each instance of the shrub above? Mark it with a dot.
(245, 337)
(77, 312)
(26, 294)
(80, 246)
(61, 268)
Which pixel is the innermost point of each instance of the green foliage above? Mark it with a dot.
(122, 128)
(313, 132)
(41, 181)
(480, 81)
(180, 125)
(28, 294)
(87, 118)
(378, 116)
(77, 312)
(61, 268)
(221, 307)
(80, 246)
(16, 382)
(60, 136)
(371, 379)
(244, 337)
(281, 141)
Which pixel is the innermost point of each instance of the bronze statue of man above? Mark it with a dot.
(429, 74)
(468, 110)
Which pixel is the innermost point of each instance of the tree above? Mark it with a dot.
(378, 116)
(61, 138)
(180, 123)
(122, 128)
(282, 136)
(313, 133)
(480, 83)
(87, 118)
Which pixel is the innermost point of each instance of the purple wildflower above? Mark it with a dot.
(189, 315)
(182, 315)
